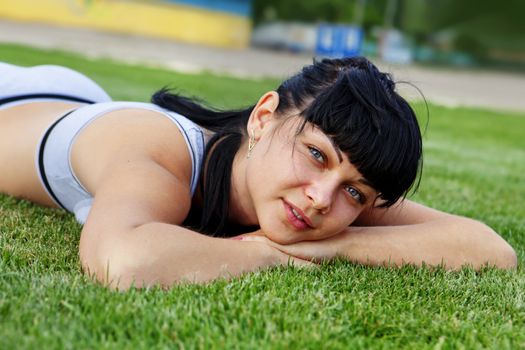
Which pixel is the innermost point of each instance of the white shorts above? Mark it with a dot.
(20, 85)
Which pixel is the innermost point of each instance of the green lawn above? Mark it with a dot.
(474, 166)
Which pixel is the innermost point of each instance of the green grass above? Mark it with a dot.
(474, 166)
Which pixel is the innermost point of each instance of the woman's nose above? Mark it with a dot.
(321, 196)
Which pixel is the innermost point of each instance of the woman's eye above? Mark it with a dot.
(318, 155)
(354, 193)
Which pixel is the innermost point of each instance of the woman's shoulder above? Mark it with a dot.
(138, 132)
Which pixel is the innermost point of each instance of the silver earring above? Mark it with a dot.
(251, 144)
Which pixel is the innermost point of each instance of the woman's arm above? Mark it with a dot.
(411, 234)
(452, 242)
(415, 234)
(132, 236)
(164, 254)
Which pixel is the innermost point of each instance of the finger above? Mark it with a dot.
(289, 260)
(264, 239)
(306, 251)
(297, 250)
(293, 261)
(249, 238)
(300, 250)
(237, 238)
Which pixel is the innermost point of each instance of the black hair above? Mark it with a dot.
(349, 99)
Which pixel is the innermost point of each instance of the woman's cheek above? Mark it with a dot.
(349, 216)
(303, 168)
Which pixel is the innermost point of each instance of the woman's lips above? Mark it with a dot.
(293, 219)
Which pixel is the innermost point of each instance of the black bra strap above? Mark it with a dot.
(41, 167)
(53, 96)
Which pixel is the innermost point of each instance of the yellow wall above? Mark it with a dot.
(151, 18)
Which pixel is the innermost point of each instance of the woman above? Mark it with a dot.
(315, 170)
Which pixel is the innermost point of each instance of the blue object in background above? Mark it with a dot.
(338, 40)
(236, 7)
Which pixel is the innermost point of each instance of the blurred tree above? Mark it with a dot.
(508, 13)
(313, 11)
(481, 28)
(335, 11)
(413, 20)
(485, 29)
(304, 11)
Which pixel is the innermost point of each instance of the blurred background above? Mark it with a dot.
(457, 52)
(463, 33)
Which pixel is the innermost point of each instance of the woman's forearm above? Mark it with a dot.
(163, 254)
(452, 241)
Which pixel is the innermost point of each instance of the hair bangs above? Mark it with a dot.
(371, 129)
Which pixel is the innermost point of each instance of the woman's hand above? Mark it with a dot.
(310, 251)
(286, 254)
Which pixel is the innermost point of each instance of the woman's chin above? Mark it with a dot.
(280, 234)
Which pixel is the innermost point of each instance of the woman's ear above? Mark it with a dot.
(263, 113)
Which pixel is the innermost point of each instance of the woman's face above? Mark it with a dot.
(302, 187)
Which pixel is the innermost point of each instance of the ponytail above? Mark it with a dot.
(193, 109)
(229, 131)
